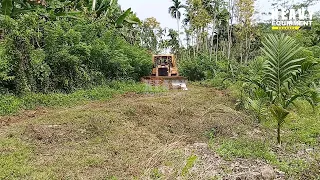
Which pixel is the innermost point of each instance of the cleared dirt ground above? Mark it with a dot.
(133, 136)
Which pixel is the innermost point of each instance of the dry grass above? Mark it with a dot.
(150, 136)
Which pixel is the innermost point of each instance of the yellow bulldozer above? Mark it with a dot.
(165, 73)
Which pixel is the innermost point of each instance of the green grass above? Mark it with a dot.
(14, 158)
(301, 126)
(81, 141)
(300, 132)
(190, 163)
(292, 166)
(246, 148)
(249, 149)
(10, 104)
(156, 174)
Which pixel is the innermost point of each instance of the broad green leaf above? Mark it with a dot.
(279, 113)
(120, 20)
(6, 7)
(281, 67)
(133, 20)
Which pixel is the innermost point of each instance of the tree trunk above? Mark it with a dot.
(192, 44)
(212, 42)
(230, 28)
(241, 52)
(249, 47)
(198, 40)
(22, 83)
(246, 50)
(208, 40)
(278, 133)
(203, 39)
(217, 44)
(229, 41)
(94, 5)
(178, 24)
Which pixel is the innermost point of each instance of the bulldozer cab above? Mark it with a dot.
(164, 65)
(163, 61)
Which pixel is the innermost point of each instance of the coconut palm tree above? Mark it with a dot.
(175, 13)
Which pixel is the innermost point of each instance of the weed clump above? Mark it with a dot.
(241, 148)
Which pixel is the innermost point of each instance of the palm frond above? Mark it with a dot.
(280, 67)
(174, 9)
(178, 14)
(308, 68)
(171, 9)
(6, 7)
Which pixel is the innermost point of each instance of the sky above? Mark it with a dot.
(151, 8)
(159, 9)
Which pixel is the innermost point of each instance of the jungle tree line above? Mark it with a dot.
(229, 27)
(60, 45)
(226, 46)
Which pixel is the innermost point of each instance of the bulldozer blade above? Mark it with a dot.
(169, 82)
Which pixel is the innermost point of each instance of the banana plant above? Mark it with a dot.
(13, 7)
(283, 74)
(108, 8)
(54, 8)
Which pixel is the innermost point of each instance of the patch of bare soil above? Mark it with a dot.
(148, 136)
(208, 165)
(22, 116)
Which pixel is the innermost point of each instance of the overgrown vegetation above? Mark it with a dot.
(267, 70)
(271, 74)
(63, 53)
(43, 53)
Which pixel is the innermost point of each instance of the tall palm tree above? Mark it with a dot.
(175, 13)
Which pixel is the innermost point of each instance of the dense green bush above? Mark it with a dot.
(45, 55)
(246, 80)
(203, 66)
(212, 70)
(195, 68)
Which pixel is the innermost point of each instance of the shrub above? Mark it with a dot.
(49, 55)
(205, 67)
